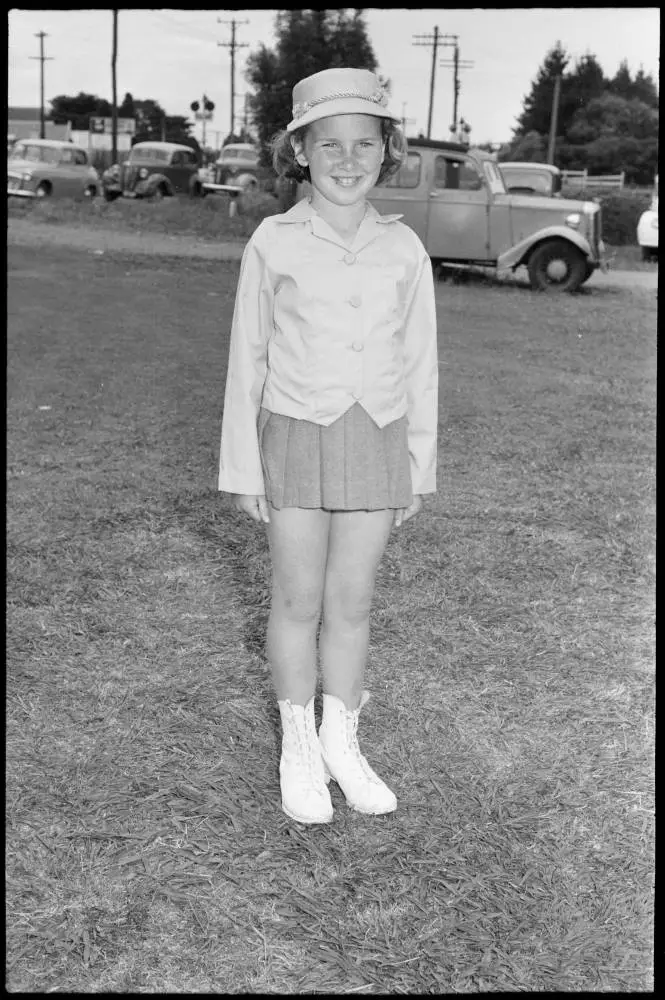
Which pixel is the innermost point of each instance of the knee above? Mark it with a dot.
(302, 604)
(348, 604)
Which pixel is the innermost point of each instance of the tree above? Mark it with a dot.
(583, 84)
(126, 109)
(644, 88)
(79, 109)
(537, 105)
(307, 41)
(612, 134)
(530, 148)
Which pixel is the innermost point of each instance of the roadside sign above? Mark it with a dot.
(203, 116)
(104, 126)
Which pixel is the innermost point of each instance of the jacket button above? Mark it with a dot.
(355, 301)
(349, 258)
(358, 346)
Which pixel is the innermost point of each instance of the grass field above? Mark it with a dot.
(511, 663)
(205, 218)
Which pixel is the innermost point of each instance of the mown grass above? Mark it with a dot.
(511, 662)
(208, 219)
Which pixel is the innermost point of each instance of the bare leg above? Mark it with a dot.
(356, 544)
(298, 547)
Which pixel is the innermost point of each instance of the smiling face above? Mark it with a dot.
(344, 155)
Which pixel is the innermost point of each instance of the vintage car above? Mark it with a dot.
(238, 163)
(647, 228)
(455, 200)
(531, 178)
(41, 168)
(154, 170)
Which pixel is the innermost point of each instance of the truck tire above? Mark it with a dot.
(557, 265)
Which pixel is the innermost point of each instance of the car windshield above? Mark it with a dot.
(494, 177)
(540, 182)
(38, 154)
(150, 155)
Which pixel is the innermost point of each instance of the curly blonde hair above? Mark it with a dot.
(285, 163)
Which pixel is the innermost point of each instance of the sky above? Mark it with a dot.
(174, 56)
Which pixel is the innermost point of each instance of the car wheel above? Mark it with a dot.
(43, 191)
(556, 266)
(649, 254)
(158, 194)
(588, 272)
(110, 195)
(90, 191)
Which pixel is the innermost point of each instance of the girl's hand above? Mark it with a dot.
(255, 506)
(404, 513)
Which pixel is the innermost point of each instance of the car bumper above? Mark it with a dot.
(20, 193)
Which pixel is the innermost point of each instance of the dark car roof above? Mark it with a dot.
(155, 144)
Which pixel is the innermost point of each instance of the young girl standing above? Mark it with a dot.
(330, 419)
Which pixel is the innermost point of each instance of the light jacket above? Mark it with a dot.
(319, 326)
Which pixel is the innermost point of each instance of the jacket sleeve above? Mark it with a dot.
(421, 368)
(239, 460)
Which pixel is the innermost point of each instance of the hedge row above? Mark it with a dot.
(621, 212)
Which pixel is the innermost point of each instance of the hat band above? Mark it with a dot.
(378, 97)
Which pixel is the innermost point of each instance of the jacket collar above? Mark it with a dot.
(302, 211)
(368, 230)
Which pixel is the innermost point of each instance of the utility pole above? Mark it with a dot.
(555, 115)
(114, 88)
(457, 65)
(233, 45)
(432, 40)
(41, 35)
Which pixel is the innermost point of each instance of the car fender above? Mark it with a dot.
(246, 180)
(148, 186)
(520, 253)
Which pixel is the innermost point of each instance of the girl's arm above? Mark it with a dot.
(240, 463)
(422, 377)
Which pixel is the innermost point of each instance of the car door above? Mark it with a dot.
(406, 193)
(179, 172)
(458, 228)
(67, 175)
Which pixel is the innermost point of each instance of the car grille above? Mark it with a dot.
(13, 182)
(129, 178)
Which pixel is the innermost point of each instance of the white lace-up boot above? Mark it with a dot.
(363, 789)
(305, 797)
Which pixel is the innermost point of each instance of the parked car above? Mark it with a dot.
(531, 178)
(238, 163)
(647, 228)
(41, 168)
(456, 201)
(154, 170)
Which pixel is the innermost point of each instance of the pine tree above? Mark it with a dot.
(537, 106)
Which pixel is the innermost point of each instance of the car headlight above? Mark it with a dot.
(26, 177)
(573, 220)
(143, 173)
(654, 223)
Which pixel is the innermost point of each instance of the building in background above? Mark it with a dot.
(25, 123)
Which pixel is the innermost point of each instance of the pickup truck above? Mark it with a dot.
(455, 199)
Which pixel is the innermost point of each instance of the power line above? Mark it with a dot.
(456, 65)
(233, 45)
(41, 35)
(435, 39)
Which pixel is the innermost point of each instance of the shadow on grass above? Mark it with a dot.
(240, 548)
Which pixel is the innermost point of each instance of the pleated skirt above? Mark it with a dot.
(352, 464)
